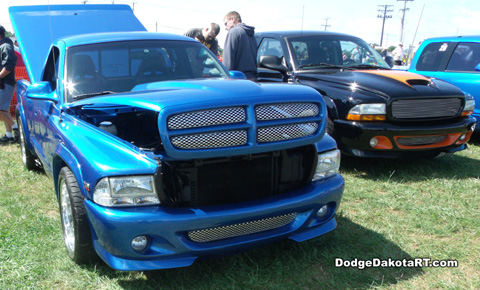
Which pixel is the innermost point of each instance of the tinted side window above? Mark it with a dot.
(465, 57)
(270, 46)
(432, 55)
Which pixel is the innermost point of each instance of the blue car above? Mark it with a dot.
(158, 154)
(455, 59)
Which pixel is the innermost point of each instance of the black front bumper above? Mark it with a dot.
(354, 138)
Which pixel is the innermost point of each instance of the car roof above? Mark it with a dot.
(462, 38)
(297, 33)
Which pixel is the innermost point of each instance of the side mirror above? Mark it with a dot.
(42, 91)
(272, 62)
(238, 75)
(477, 67)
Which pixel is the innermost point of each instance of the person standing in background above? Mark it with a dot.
(8, 61)
(207, 36)
(240, 50)
(398, 54)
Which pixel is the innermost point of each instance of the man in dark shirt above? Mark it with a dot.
(8, 61)
(207, 36)
(240, 51)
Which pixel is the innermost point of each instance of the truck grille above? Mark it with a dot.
(286, 111)
(211, 140)
(236, 230)
(207, 118)
(288, 132)
(276, 122)
(426, 108)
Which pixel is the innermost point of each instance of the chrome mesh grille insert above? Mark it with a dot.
(286, 132)
(286, 111)
(210, 140)
(236, 230)
(421, 140)
(426, 108)
(207, 118)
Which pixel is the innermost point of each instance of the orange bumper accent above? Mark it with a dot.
(384, 143)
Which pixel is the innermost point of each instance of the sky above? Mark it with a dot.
(423, 18)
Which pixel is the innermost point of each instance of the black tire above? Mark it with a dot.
(28, 158)
(330, 127)
(76, 230)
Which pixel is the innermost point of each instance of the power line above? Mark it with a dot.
(403, 17)
(326, 25)
(385, 10)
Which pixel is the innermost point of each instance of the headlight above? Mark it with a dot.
(327, 165)
(368, 112)
(126, 191)
(469, 105)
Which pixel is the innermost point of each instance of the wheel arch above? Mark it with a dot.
(64, 158)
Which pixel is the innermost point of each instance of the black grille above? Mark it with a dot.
(426, 108)
(421, 140)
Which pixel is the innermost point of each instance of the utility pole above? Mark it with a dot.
(133, 6)
(403, 17)
(384, 10)
(326, 25)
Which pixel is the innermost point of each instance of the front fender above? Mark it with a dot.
(92, 154)
(22, 86)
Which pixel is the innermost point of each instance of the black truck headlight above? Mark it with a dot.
(327, 165)
(368, 112)
(469, 105)
(126, 191)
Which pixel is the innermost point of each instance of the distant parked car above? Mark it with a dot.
(373, 111)
(454, 59)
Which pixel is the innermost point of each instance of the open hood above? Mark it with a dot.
(37, 27)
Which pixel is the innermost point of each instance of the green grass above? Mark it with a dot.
(391, 209)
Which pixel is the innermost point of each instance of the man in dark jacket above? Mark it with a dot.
(8, 61)
(207, 36)
(240, 51)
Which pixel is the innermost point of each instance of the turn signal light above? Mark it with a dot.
(354, 117)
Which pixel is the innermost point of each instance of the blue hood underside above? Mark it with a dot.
(37, 27)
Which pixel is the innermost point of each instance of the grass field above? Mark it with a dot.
(398, 209)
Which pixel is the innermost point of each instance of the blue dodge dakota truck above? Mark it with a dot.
(159, 155)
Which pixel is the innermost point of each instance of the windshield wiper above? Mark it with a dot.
(365, 66)
(89, 95)
(322, 64)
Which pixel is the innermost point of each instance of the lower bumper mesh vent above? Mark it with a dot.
(421, 140)
(236, 230)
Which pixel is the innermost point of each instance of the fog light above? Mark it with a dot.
(373, 142)
(322, 212)
(462, 138)
(139, 243)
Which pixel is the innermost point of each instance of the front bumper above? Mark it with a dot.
(167, 228)
(354, 138)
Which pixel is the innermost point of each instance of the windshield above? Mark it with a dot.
(114, 67)
(334, 51)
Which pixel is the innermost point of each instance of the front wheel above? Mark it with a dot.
(76, 230)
